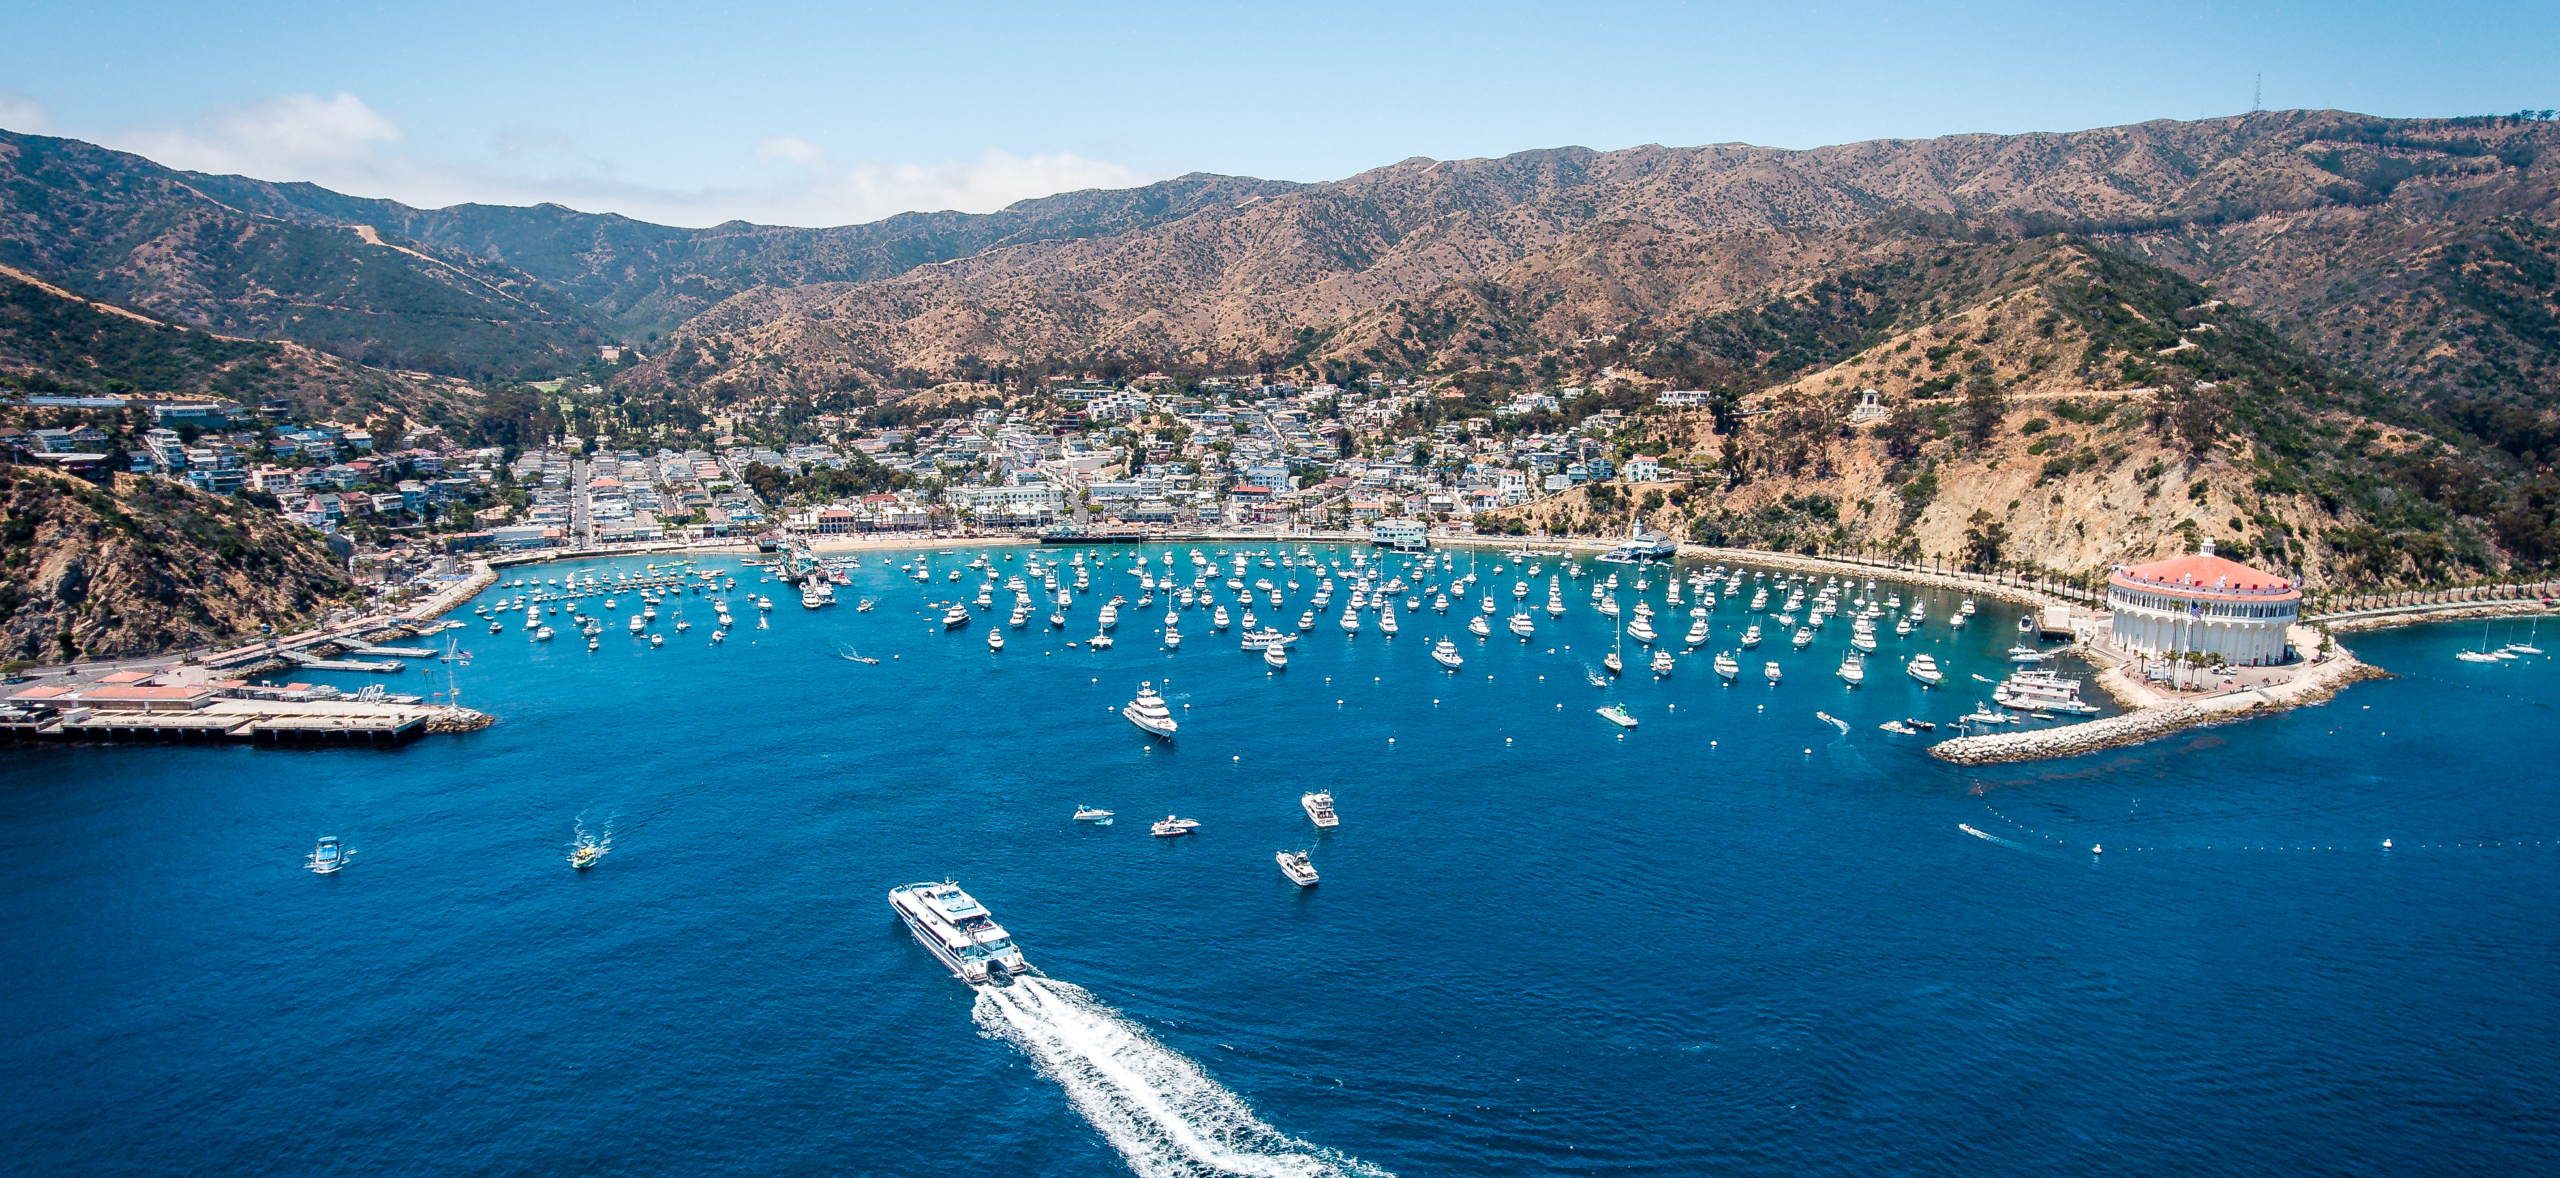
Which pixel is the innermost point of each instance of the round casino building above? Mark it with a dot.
(2203, 603)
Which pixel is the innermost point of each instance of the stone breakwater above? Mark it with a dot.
(451, 720)
(2159, 719)
(2072, 739)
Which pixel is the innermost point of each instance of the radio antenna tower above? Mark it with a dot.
(2257, 92)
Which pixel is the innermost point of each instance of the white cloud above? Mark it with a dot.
(24, 115)
(342, 144)
(297, 136)
(789, 149)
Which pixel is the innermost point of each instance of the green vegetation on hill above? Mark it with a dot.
(50, 344)
(144, 566)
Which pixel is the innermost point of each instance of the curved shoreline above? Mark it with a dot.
(2149, 715)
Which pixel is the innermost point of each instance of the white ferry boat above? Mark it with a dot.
(2029, 691)
(958, 931)
(1319, 808)
(1149, 712)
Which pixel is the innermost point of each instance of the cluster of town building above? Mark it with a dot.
(1229, 452)
(1224, 452)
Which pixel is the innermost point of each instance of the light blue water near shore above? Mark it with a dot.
(1539, 947)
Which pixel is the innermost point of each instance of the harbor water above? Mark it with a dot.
(1735, 938)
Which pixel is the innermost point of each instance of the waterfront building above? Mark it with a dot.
(1401, 534)
(2203, 603)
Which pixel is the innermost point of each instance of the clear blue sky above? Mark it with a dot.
(830, 112)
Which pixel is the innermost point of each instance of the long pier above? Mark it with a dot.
(202, 728)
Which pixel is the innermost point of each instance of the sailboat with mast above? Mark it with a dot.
(2482, 655)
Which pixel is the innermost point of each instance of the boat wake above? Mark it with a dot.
(1157, 1107)
(1989, 837)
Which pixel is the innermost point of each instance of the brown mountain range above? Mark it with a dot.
(2414, 249)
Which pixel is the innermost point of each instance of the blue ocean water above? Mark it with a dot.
(1735, 939)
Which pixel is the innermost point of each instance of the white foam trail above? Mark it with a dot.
(1165, 1115)
(1986, 836)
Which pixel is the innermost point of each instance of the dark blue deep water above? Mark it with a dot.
(1734, 941)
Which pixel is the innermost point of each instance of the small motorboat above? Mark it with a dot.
(1172, 827)
(1294, 864)
(1096, 817)
(327, 857)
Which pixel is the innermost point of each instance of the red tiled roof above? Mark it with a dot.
(2204, 575)
(138, 694)
(122, 677)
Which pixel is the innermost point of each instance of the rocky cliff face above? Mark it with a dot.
(148, 566)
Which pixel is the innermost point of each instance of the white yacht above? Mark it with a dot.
(1662, 662)
(1477, 626)
(1853, 668)
(1804, 637)
(1772, 672)
(955, 617)
(1387, 622)
(1522, 626)
(1447, 655)
(327, 856)
(1306, 621)
(1218, 620)
(1294, 864)
(1751, 636)
(1351, 620)
(1641, 629)
(1726, 666)
(995, 639)
(1173, 827)
(1319, 808)
(1276, 656)
(1697, 631)
(958, 931)
(1924, 668)
(1149, 712)
(1110, 615)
